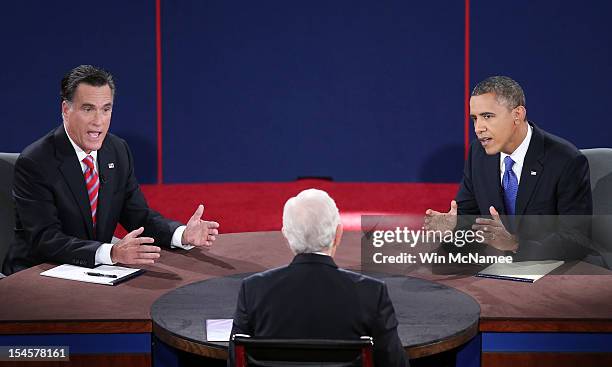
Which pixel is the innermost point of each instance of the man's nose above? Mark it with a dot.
(479, 125)
(97, 118)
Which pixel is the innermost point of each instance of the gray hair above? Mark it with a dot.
(508, 92)
(310, 220)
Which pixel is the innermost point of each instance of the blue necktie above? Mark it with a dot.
(510, 184)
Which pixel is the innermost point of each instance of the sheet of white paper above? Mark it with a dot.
(218, 330)
(528, 270)
(73, 272)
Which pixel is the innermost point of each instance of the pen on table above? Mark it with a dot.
(101, 275)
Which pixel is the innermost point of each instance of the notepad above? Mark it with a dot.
(524, 271)
(218, 330)
(106, 274)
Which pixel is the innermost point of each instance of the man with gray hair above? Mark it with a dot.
(311, 297)
(516, 168)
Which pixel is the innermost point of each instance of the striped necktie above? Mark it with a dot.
(92, 182)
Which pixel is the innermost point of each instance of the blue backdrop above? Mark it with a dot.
(42, 40)
(273, 90)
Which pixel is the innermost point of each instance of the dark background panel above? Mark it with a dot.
(274, 90)
(42, 40)
(561, 54)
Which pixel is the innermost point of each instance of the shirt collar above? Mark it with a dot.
(314, 258)
(518, 156)
(80, 152)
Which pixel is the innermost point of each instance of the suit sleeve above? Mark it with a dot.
(571, 236)
(466, 200)
(241, 322)
(136, 212)
(388, 350)
(38, 215)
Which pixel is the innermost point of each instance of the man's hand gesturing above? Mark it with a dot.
(441, 221)
(134, 250)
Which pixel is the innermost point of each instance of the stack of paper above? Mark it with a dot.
(524, 271)
(218, 330)
(103, 274)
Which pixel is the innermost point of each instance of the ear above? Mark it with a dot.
(338, 238)
(65, 108)
(519, 114)
(336, 243)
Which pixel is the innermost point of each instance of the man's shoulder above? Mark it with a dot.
(39, 149)
(361, 279)
(556, 146)
(264, 275)
(355, 277)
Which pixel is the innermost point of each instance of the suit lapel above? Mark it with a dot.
(533, 163)
(106, 167)
(70, 167)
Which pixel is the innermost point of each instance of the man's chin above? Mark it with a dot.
(491, 150)
(93, 146)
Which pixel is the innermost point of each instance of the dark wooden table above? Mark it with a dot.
(432, 317)
(557, 305)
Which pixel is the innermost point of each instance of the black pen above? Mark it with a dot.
(101, 275)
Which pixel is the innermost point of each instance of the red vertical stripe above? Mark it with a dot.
(158, 60)
(466, 76)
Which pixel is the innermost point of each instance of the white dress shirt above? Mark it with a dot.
(518, 156)
(103, 253)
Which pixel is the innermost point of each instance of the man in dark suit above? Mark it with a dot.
(516, 169)
(311, 297)
(75, 184)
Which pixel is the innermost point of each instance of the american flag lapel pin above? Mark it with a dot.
(533, 173)
(112, 165)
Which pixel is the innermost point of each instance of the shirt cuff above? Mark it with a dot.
(177, 239)
(103, 254)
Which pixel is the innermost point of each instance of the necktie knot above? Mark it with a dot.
(89, 162)
(508, 162)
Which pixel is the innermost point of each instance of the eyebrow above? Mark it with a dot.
(483, 113)
(87, 104)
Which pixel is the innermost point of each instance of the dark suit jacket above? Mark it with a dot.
(53, 217)
(312, 298)
(555, 203)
